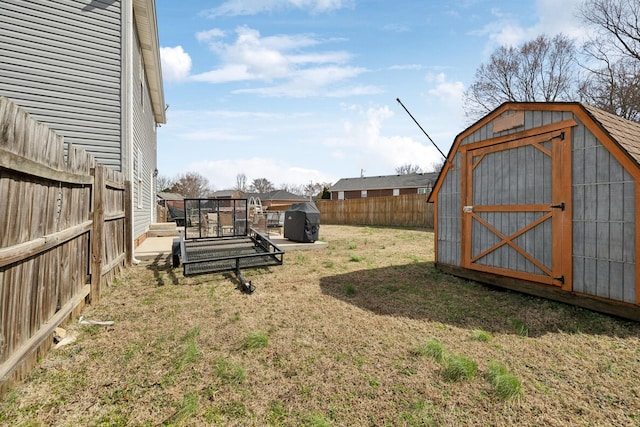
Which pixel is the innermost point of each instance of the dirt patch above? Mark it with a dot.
(332, 337)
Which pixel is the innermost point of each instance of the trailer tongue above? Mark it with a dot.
(217, 237)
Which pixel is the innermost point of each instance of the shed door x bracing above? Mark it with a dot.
(516, 215)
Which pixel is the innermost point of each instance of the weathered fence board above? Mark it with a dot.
(63, 235)
(410, 210)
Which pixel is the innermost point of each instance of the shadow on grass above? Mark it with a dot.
(162, 270)
(420, 291)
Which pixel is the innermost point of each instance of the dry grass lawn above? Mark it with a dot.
(350, 335)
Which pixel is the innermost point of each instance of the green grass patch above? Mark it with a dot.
(301, 259)
(459, 368)
(432, 349)
(506, 385)
(352, 245)
(520, 327)
(187, 409)
(256, 340)
(277, 413)
(355, 258)
(480, 335)
(316, 420)
(229, 373)
(349, 290)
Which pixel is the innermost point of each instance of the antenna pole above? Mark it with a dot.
(423, 131)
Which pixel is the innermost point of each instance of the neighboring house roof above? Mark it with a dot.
(225, 194)
(278, 195)
(165, 195)
(411, 180)
(625, 132)
(144, 12)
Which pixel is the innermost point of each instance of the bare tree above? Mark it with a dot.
(191, 184)
(437, 165)
(543, 69)
(313, 188)
(164, 183)
(261, 185)
(613, 57)
(241, 182)
(615, 87)
(618, 22)
(293, 188)
(408, 168)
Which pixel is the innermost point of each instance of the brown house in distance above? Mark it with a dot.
(382, 186)
(274, 200)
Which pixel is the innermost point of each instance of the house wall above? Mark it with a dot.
(603, 208)
(357, 194)
(144, 147)
(60, 60)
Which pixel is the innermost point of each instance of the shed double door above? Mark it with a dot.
(517, 203)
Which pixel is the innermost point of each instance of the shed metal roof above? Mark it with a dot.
(411, 180)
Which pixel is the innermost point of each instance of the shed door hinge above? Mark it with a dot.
(558, 206)
(559, 279)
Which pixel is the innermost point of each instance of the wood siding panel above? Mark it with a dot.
(603, 222)
(61, 62)
(449, 216)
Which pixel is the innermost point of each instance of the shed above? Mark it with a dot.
(543, 198)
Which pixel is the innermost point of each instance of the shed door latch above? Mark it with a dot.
(558, 206)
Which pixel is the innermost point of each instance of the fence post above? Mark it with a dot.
(97, 234)
(128, 224)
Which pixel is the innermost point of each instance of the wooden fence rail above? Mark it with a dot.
(410, 210)
(63, 235)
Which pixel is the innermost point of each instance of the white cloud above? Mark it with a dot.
(254, 7)
(208, 35)
(282, 62)
(449, 94)
(176, 63)
(222, 173)
(365, 144)
(507, 29)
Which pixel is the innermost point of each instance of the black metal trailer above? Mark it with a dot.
(216, 238)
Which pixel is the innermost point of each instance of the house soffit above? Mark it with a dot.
(144, 12)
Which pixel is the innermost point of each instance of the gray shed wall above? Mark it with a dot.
(60, 60)
(603, 206)
(604, 229)
(449, 216)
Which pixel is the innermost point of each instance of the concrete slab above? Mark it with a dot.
(154, 247)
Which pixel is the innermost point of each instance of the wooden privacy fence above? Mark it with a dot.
(64, 233)
(410, 210)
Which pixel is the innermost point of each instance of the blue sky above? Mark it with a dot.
(300, 91)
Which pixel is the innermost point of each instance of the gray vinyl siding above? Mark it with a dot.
(144, 139)
(449, 216)
(604, 230)
(61, 61)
